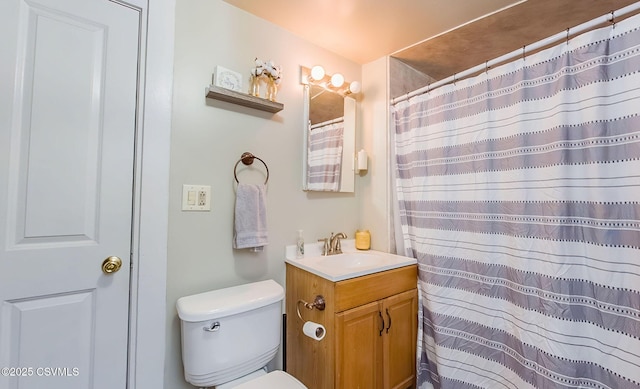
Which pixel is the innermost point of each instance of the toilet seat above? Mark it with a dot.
(274, 380)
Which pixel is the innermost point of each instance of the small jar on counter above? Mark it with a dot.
(363, 239)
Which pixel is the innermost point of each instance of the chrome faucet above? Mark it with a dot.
(334, 243)
(331, 245)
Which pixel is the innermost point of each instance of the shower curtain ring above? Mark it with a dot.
(613, 18)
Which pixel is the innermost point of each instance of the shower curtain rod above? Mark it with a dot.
(328, 122)
(610, 17)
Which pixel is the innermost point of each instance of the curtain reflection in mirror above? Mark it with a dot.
(324, 155)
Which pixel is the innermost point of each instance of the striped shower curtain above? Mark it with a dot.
(518, 192)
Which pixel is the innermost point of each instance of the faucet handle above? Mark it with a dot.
(325, 247)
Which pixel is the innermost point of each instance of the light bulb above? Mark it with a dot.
(355, 87)
(337, 80)
(317, 72)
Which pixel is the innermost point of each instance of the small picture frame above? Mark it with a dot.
(228, 79)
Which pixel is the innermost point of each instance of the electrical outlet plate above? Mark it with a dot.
(196, 197)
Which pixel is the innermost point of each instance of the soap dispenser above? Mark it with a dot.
(300, 245)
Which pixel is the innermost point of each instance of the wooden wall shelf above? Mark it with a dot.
(223, 94)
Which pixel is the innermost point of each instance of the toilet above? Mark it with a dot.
(229, 335)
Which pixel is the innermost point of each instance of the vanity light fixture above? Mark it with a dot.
(317, 73)
(354, 87)
(334, 83)
(337, 80)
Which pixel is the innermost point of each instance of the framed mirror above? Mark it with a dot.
(329, 140)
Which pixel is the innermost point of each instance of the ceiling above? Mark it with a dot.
(436, 37)
(501, 33)
(391, 24)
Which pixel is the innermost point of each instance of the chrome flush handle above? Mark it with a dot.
(215, 326)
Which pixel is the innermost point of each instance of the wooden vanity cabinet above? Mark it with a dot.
(371, 324)
(376, 344)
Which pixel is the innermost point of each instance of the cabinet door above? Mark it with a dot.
(400, 314)
(358, 347)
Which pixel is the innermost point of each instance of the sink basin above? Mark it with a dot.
(349, 264)
(352, 260)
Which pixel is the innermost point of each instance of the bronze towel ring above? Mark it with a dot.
(247, 159)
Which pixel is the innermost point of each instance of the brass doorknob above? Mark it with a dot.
(111, 265)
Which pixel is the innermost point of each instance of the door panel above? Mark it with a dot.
(67, 131)
(401, 313)
(60, 322)
(358, 348)
(52, 207)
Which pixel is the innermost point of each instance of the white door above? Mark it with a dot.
(68, 82)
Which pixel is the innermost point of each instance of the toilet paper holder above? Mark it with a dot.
(318, 303)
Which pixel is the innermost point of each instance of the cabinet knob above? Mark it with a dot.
(381, 322)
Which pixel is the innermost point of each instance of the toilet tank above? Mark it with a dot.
(231, 332)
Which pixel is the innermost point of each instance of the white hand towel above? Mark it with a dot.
(250, 227)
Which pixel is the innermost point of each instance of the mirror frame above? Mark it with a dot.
(347, 173)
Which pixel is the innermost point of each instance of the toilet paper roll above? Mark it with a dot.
(314, 330)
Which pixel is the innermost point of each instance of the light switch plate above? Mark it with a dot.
(196, 197)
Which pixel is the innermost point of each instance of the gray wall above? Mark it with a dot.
(208, 138)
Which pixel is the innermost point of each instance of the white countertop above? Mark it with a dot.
(350, 264)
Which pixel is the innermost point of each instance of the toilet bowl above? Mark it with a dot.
(229, 335)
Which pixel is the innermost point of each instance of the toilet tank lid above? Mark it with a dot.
(228, 301)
